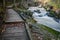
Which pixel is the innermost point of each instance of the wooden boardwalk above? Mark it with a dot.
(14, 27)
(12, 16)
(14, 31)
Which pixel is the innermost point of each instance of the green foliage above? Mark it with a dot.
(55, 3)
(52, 13)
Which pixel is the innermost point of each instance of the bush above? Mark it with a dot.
(52, 13)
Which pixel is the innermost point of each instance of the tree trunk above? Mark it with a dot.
(14, 3)
(4, 4)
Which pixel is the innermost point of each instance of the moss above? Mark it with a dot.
(32, 21)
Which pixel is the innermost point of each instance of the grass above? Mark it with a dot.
(54, 32)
